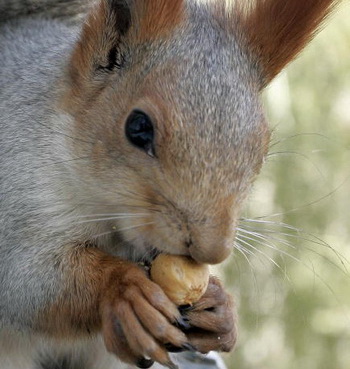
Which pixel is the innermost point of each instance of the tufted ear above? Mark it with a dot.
(275, 31)
(110, 31)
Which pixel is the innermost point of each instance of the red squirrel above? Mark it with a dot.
(136, 132)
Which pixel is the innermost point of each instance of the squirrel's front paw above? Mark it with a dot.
(136, 319)
(213, 320)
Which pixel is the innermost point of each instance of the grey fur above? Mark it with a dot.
(34, 58)
(215, 100)
(66, 10)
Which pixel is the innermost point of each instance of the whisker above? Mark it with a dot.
(63, 134)
(108, 218)
(307, 248)
(242, 250)
(260, 252)
(308, 204)
(301, 235)
(109, 214)
(121, 229)
(258, 235)
(283, 270)
(305, 265)
(303, 156)
(282, 140)
(258, 220)
(302, 263)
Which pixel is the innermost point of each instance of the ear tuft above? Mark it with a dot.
(275, 31)
(112, 29)
(158, 17)
(116, 24)
(120, 9)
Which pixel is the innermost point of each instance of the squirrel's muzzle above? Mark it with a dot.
(212, 246)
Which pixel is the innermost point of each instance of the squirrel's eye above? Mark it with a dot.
(139, 131)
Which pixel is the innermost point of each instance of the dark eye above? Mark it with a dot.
(139, 131)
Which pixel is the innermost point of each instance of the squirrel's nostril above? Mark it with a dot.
(213, 253)
(188, 243)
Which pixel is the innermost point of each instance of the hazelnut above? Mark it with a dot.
(182, 279)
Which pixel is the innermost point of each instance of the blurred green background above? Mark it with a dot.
(292, 284)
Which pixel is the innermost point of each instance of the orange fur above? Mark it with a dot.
(277, 30)
(158, 17)
(98, 36)
(150, 19)
(77, 310)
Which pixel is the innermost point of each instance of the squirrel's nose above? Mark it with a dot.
(211, 250)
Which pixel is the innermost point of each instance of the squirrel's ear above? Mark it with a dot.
(113, 27)
(98, 49)
(275, 31)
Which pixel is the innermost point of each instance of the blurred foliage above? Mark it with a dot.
(292, 284)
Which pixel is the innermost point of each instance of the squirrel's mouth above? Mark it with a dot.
(148, 257)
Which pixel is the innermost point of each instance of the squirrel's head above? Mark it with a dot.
(165, 100)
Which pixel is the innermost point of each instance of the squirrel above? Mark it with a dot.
(135, 132)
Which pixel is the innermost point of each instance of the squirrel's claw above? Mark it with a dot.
(137, 320)
(213, 320)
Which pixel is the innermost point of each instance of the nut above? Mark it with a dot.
(182, 279)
